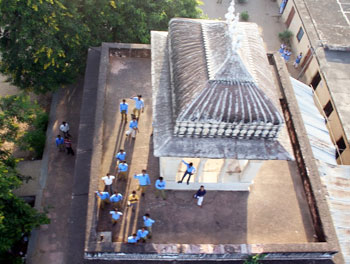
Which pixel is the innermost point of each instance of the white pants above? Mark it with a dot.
(200, 200)
(132, 132)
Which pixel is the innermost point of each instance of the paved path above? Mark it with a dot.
(48, 244)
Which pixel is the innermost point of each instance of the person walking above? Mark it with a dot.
(123, 170)
(108, 180)
(133, 198)
(133, 239)
(104, 196)
(189, 171)
(64, 127)
(200, 195)
(68, 144)
(160, 186)
(142, 234)
(144, 181)
(121, 156)
(286, 55)
(282, 48)
(123, 108)
(115, 215)
(133, 128)
(139, 106)
(297, 60)
(60, 143)
(115, 199)
(148, 222)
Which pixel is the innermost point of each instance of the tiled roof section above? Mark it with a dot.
(214, 92)
(188, 64)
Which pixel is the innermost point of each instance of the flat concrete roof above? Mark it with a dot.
(331, 19)
(274, 217)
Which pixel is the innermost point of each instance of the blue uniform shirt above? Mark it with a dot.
(142, 234)
(103, 196)
(132, 239)
(116, 198)
(123, 167)
(148, 221)
(124, 107)
(138, 103)
(115, 215)
(121, 156)
(160, 185)
(59, 141)
(189, 169)
(133, 124)
(143, 179)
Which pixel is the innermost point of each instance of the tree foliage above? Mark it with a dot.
(16, 216)
(44, 42)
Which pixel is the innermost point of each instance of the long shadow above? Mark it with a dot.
(302, 202)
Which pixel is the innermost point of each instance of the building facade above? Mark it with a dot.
(322, 37)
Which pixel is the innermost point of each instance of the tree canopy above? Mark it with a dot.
(16, 216)
(43, 43)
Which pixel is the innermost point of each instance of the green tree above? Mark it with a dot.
(42, 44)
(16, 216)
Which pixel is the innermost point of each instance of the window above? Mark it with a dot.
(341, 147)
(300, 34)
(316, 80)
(328, 109)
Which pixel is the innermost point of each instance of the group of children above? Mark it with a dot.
(286, 52)
(64, 142)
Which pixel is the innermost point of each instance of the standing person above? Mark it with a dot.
(148, 222)
(282, 6)
(132, 200)
(104, 196)
(189, 171)
(64, 127)
(115, 215)
(160, 186)
(142, 234)
(139, 105)
(60, 143)
(200, 195)
(133, 128)
(123, 107)
(133, 239)
(68, 144)
(108, 180)
(121, 155)
(144, 181)
(115, 199)
(297, 60)
(123, 170)
(286, 55)
(282, 48)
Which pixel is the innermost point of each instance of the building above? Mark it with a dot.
(215, 105)
(321, 32)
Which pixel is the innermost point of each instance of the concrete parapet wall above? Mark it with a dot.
(91, 165)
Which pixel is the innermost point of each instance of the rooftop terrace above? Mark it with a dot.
(273, 217)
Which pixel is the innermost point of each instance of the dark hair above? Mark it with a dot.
(121, 150)
(191, 164)
(147, 215)
(123, 100)
(161, 178)
(144, 227)
(133, 192)
(202, 186)
(143, 170)
(139, 95)
(58, 135)
(134, 234)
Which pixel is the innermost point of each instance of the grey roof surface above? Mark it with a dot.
(212, 84)
(332, 21)
(328, 28)
(164, 116)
